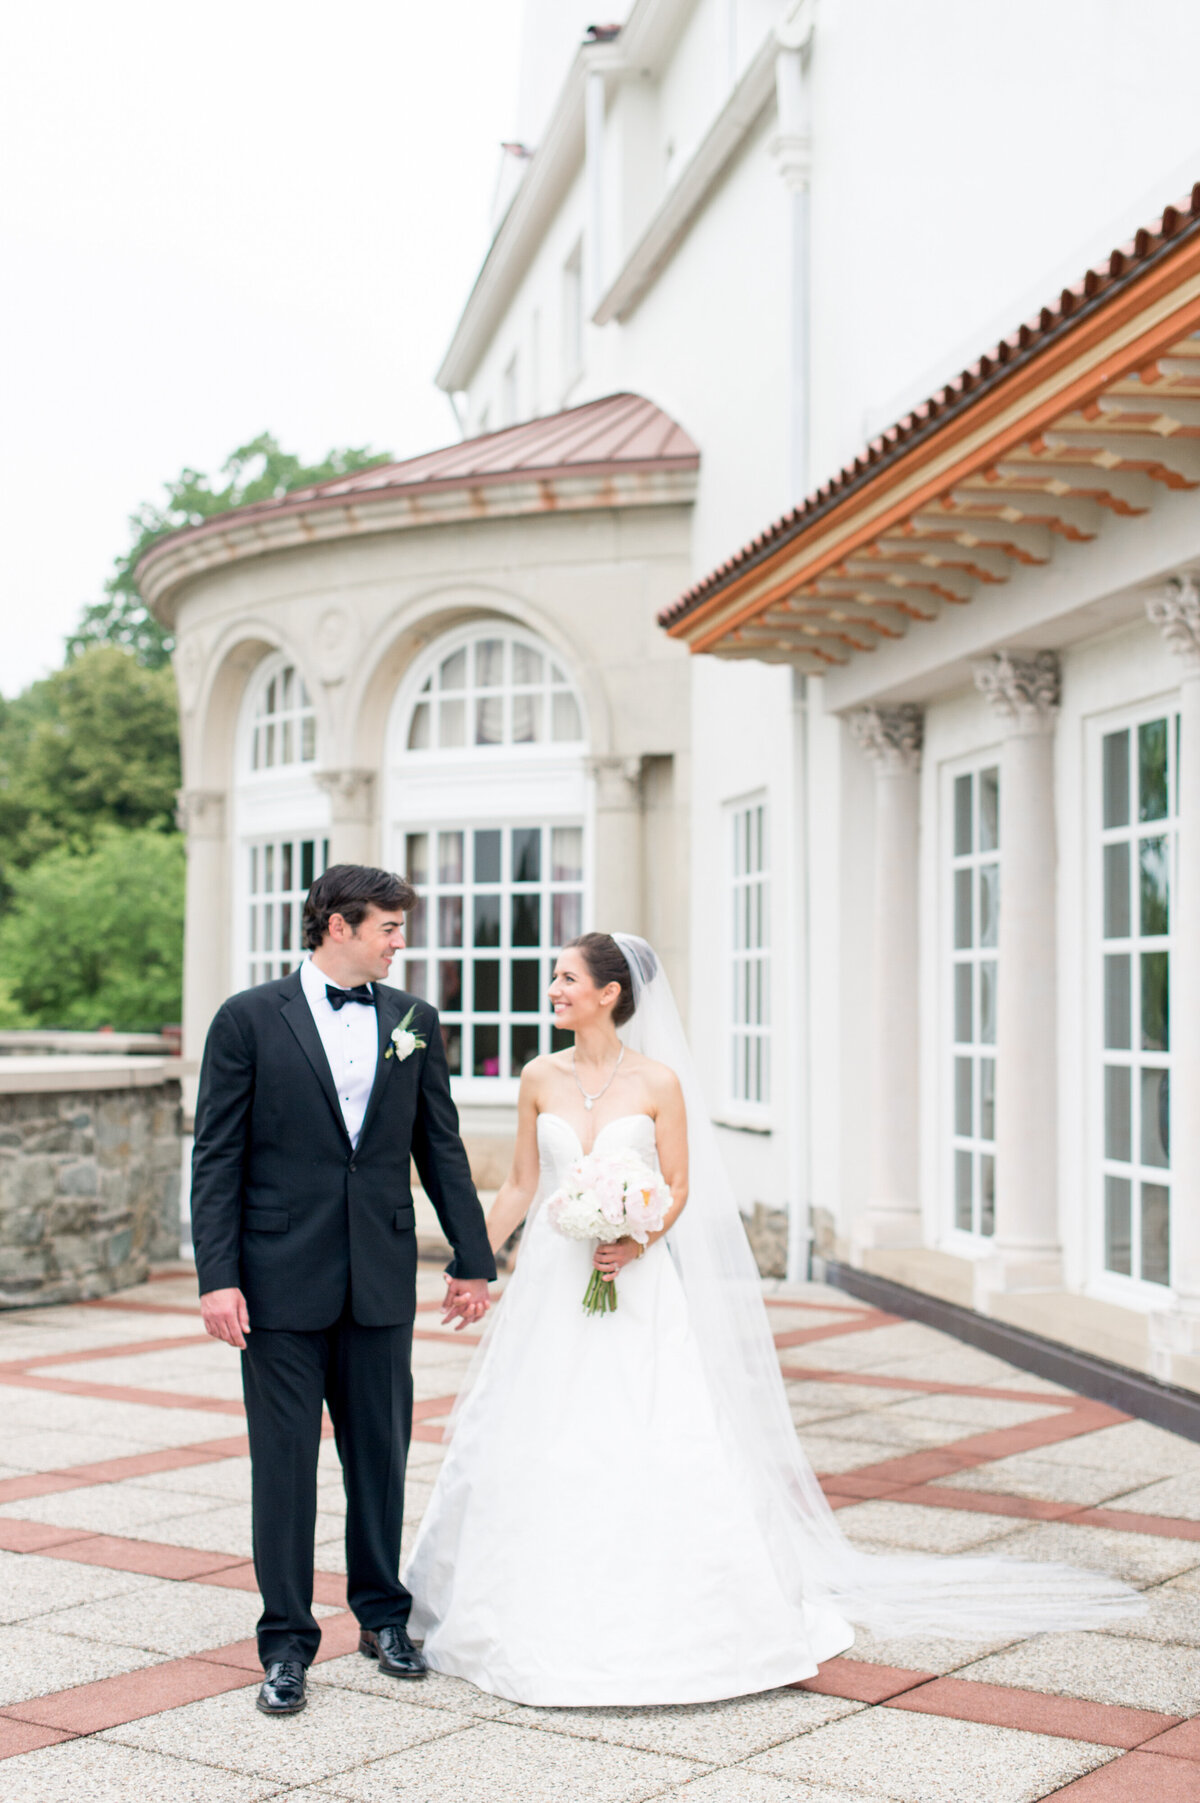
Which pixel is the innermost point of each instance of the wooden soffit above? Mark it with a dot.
(1088, 415)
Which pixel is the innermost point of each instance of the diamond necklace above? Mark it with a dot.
(589, 1102)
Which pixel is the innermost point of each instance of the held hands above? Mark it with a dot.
(610, 1259)
(226, 1317)
(466, 1297)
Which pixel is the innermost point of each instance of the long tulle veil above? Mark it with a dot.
(982, 1597)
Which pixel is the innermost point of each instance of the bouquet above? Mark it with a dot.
(609, 1196)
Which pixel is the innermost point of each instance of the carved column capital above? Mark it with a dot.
(1175, 610)
(618, 781)
(1024, 689)
(351, 792)
(892, 737)
(200, 813)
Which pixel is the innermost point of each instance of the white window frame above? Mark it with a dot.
(418, 694)
(276, 883)
(1114, 1285)
(976, 1144)
(541, 783)
(748, 1073)
(272, 668)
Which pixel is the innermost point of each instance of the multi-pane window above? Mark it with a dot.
(281, 873)
(975, 914)
(497, 689)
(750, 1047)
(497, 902)
(1138, 781)
(285, 726)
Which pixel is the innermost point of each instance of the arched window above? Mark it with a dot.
(281, 822)
(488, 815)
(284, 730)
(496, 689)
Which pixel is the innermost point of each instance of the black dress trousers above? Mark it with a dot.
(365, 1376)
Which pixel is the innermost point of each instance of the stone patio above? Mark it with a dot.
(127, 1600)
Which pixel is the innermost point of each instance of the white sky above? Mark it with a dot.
(217, 220)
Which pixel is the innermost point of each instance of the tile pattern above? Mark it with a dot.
(127, 1599)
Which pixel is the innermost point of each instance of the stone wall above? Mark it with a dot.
(89, 1174)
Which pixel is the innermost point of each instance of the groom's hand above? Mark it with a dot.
(226, 1317)
(466, 1297)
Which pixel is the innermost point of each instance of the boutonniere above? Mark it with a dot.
(404, 1041)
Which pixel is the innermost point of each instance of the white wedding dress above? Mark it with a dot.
(589, 1539)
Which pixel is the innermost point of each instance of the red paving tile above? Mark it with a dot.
(1169, 1526)
(144, 1308)
(35, 1536)
(1003, 1706)
(149, 1557)
(127, 1349)
(26, 1737)
(861, 1682)
(155, 1399)
(1030, 1508)
(1183, 1741)
(800, 1336)
(88, 1708)
(1138, 1778)
(927, 1386)
(241, 1654)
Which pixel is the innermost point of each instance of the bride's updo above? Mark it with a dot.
(606, 963)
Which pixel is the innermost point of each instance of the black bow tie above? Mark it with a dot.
(338, 998)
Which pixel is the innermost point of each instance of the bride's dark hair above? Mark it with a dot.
(606, 964)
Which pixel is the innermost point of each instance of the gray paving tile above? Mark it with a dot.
(1138, 1558)
(901, 1432)
(889, 1753)
(36, 1660)
(831, 1456)
(169, 1618)
(223, 1529)
(1178, 1496)
(436, 1691)
(120, 1508)
(923, 1530)
(845, 1399)
(913, 1652)
(226, 1479)
(32, 1587)
(1101, 1667)
(717, 1733)
(192, 1371)
(95, 1771)
(1172, 1614)
(494, 1760)
(957, 1365)
(1146, 1451)
(872, 1347)
(980, 1413)
(1041, 1475)
(54, 1449)
(735, 1784)
(339, 1730)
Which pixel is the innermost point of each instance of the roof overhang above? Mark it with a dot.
(1088, 415)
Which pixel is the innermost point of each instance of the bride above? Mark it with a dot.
(624, 1514)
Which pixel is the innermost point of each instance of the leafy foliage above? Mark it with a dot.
(94, 938)
(257, 471)
(94, 745)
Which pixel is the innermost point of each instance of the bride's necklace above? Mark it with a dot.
(589, 1102)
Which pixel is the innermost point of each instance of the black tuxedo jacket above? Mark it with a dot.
(283, 1207)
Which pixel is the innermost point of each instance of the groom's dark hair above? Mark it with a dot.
(350, 890)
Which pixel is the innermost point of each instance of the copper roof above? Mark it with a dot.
(1097, 294)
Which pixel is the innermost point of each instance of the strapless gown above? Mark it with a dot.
(590, 1540)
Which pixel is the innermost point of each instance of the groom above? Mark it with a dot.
(313, 1098)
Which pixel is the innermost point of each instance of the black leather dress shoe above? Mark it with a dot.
(282, 1690)
(397, 1655)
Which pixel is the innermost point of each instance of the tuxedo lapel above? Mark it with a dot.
(298, 1015)
(387, 1010)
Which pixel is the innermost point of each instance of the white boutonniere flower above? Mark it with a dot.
(404, 1041)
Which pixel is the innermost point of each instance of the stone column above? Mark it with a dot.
(1176, 610)
(352, 837)
(617, 871)
(1024, 693)
(892, 739)
(207, 978)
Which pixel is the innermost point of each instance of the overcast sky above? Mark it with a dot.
(218, 220)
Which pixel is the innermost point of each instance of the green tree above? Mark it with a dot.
(257, 471)
(95, 938)
(96, 744)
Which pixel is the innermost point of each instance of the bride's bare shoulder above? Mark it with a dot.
(660, 1078)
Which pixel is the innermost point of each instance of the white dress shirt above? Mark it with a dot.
(350, 1036)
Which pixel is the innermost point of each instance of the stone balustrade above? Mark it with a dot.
(89, 1173)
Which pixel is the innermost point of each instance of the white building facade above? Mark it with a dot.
(911, 822)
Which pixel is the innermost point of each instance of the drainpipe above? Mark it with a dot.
(792, 150)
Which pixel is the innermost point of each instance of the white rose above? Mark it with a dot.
(404, 1042)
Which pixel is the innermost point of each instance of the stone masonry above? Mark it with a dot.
(89, 1175)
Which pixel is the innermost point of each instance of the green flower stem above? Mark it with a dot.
(600, 1298)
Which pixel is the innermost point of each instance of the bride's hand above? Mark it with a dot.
(608, 1260)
